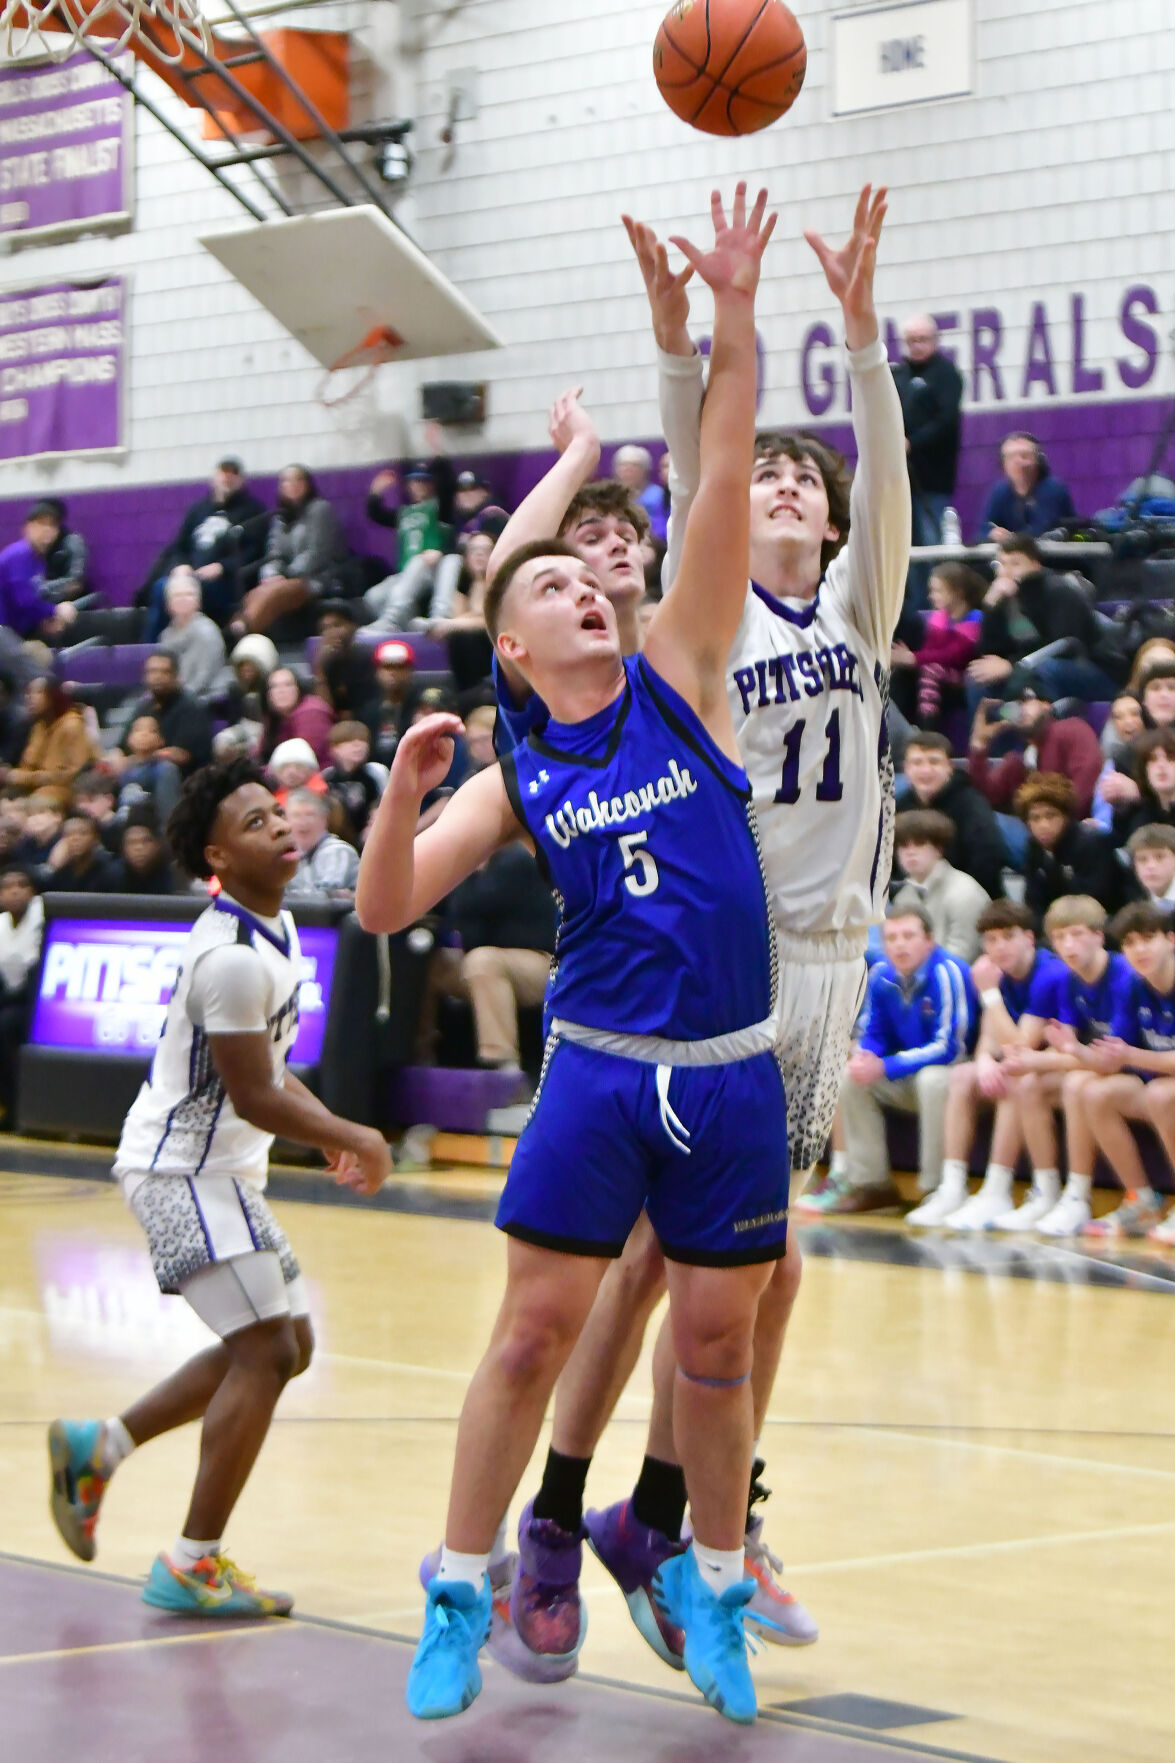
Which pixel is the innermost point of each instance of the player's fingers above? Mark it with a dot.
(740, 204)
(684, 277)
(818, 245)
(717, 212)
(859, 218)
(758, 211)
(767, 231)
(690, 252)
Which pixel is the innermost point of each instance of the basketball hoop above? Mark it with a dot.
(56, 28)
(354, 370)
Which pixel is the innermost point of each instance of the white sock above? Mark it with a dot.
(115, 1446)
(470, 1569)
(1078, 1187)
(997, 1179)
(501, 1545)
(838, 1165)
(185, 1553)
(1047, 1183)
(720, 1568)
(953, 1179)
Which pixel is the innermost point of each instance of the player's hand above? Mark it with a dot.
(849, 271)
(732, 267)
(865, 1068)
(1108, 1055)
(366, 1168)
(424, 756)
(985, 973)
(991, 1077)
(668, 300)
(1061, 1036)
(1117, 789)
(1016, 1061)
(901, 655)
(570, 425)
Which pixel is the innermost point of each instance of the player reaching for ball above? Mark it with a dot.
(659, 1080)
(806, 679)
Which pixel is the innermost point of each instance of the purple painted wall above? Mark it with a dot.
(1097, 448)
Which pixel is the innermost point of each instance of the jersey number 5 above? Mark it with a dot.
(635, 857)
(830, 788)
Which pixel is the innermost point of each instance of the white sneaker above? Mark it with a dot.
(1068, 1217)
(978, 1212)
(1035, 1207)
(936, 1207)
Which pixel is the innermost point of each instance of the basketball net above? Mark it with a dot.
(57, 28)
(346, 390)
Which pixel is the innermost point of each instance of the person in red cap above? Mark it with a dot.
(388, 716)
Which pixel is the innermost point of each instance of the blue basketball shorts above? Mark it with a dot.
(702, 1148)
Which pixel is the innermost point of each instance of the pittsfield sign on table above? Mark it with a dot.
(62, 368)
(66, 136)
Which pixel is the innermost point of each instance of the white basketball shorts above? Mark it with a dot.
(822, 988)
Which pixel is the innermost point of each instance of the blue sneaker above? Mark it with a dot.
(213, 1587)
(78, 1483)
(715, 1650)
(445, 1676)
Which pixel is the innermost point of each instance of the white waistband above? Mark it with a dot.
(741, 1043)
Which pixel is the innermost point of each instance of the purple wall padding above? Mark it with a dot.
(449, 1098)
(1096, 448)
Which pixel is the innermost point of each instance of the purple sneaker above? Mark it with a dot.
(504, 1644)
(632, 1554)
(545, 1610)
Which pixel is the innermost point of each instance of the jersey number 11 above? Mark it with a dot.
(829, 789)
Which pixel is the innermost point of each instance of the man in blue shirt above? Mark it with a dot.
(921, 1016)
(1018, 985)
(1027, 499)
(24, 612)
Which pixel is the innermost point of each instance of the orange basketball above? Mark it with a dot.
(729, 67)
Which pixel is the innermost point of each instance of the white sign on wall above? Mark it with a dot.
(903, 52)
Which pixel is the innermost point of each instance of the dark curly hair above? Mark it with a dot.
(189, 827)
(604, 496)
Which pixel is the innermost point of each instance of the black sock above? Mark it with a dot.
(561, 1495)
(758, 1492)
(658, 1500)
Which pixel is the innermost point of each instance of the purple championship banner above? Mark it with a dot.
(105, 984)
(65, 148)
(62, 368)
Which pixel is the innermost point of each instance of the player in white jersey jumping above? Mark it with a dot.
(807, 680)
(192, 1163)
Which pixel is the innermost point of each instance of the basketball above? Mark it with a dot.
(729, 67)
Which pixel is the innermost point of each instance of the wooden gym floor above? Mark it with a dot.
(972, 1451)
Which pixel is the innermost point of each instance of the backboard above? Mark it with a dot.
(331, 278)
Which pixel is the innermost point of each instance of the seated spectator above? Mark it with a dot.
(1134, 1074)
(1028, 498)
(25, 612)
(480, 723)
(58, 745)
(1052, 1075)
(930, 773)
(65, 560)
(1152, 852)
(303, 549)
(328, 867)
(189, 635)
(1062, 856)
(295, 713)
(252, 661)
(463, 631)
(1018, 987)
(922, 840)
(921, 1016)
(632, 466)
(22, 925)
(183, 720)
(395, 670)
(929, 678)
(1038, 622)
(13, 814)
(144, 867)
(1157, 691)
(42, 829)
(352, 778)
(1154, 774)
(344, 670)
(78, 863)
(1154, 649)
(1031, 739)
(95, 793)
(424, 519)
(432, 701)
(1122, 727)
(502, 920)
(1117, 788)
(221, 535)
(293, 766)
(471, 500)
(148, 778)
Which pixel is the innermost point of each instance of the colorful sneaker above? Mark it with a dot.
(632, 1553)
(78, 1483)
(1135, 1217)
(1164, 1233)
(1029, 1214)
(545, 1606)
(445, 1676)
(715, 1650)
(504, 1644)
(213, 1587)
(1068, 1217)
(773, 1613)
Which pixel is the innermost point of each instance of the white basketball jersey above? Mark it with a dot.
(182, 1122)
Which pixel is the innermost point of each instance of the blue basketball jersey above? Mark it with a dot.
(513, 723)
(1144, 1017)
(647, 833)
(1038, 993)
(1090, 1009)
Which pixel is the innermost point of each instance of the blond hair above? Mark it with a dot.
(1073, 909)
